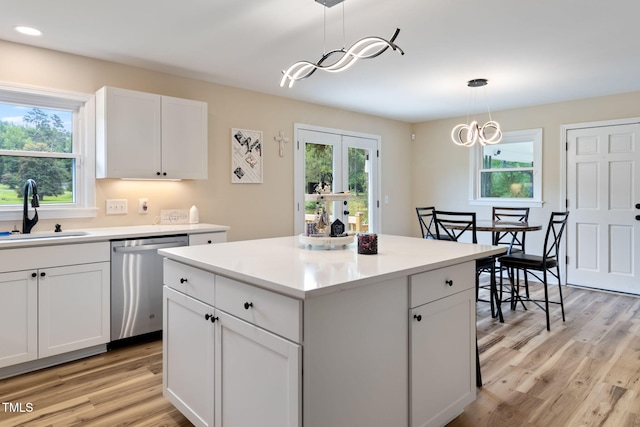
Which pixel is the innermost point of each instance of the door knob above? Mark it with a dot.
(346, 212)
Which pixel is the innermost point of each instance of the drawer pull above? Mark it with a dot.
(418, 317)
(183, 280)
(210, 317)
(247, 305)
(449, 282)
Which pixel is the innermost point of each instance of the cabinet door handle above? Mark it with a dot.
(158, 173)
(449, 282)
(43, 274)
(247, 305)
(34, 275)
(210, 317)
(418, 317)
(183, 280)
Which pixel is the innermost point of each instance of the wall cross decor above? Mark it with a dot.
(281, 139)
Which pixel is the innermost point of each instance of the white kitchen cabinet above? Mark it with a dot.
(54, 304)
(442, 375)
(188, 356)
(147, 136)
(73, 308)
(258, 376)
(18, 318)
(220, 370)
(207, 238)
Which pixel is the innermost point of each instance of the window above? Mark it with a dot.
(508, 173)
(47, 136)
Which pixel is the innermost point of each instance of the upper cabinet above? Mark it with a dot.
(146, 136)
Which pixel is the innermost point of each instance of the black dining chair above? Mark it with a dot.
(546, 264)
(425, 219)
(514, 240)
(453, 226)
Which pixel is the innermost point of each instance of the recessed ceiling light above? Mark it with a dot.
(28, 31)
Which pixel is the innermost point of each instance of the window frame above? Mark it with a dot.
(475, 160)
(83, 106)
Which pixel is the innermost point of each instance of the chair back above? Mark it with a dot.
(425, 219)
(513, 239)
(452, 225)
(555, 229)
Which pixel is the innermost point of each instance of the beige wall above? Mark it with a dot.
(441, 169)
(252, 210)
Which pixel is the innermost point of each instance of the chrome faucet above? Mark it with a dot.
(27, 223)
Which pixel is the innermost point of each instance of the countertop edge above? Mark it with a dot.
(105, 234)
(337, 287)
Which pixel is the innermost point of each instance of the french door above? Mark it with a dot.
(346, 163)
(603, 195)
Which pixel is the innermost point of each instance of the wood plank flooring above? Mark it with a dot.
(585, 372)
(120, 388)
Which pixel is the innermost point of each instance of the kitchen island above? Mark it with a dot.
(271, 333)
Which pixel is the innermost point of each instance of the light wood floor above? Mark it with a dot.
(585, 372)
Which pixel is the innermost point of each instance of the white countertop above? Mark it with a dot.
(42, 238)
(284, 265)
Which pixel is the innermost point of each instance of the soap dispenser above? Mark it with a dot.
(193, 215)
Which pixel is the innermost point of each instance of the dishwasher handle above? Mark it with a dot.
(140, 248)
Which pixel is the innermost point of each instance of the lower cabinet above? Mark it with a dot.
(188, 355)
(258, 376)
(73, 308)
(442, 344)
(442, 374)
(18, 318)
(222, 371)
(49, 311)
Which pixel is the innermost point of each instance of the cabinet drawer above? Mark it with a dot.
(190, 280)
(433, 285)
(207, 238)
(276, 313)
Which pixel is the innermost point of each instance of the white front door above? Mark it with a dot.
(603, 195)
(350, 163)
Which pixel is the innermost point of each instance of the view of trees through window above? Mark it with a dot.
(507, 170)
(36, 143)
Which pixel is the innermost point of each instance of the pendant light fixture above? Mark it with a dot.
(470, 133)
(368, 47)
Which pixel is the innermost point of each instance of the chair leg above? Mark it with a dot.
(546, 299)
(494, 295)
(560, 291)
(478, 373)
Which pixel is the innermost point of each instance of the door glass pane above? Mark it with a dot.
(318, 170)
(358, 182)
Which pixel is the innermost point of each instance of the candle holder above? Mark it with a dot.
(368, 244)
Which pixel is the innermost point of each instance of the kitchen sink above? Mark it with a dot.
(44, 235)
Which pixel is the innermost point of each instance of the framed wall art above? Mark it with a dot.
(246, 156)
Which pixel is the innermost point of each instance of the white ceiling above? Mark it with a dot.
(532, 52)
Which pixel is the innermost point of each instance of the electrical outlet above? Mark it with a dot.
(116, 207)
(143, 206)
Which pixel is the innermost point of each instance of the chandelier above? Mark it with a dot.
(470, 133)
(341, 59)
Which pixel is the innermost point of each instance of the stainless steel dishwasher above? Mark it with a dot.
(136, 285)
